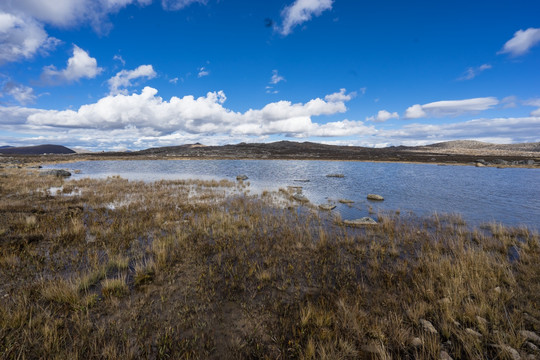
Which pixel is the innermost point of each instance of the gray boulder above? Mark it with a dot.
(375, 197)
(360, 222)
(300, 198)
(327, 207)
(55, 172)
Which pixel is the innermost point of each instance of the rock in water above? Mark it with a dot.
(300, 197)
(55, 172)
(241, 177)
(375, 197)
(335, 175)
(360, 222)
(327, 207)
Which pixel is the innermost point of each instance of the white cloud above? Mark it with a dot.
(179, 4)
(119, 58)
(22, 22)
(533, 102)
(123, 79)
(450, 107)
(340, 96)
(23, 94)
(301, 11)
(276, 78)
(522, 41)
(22, 37)
(173, 80)
(79, 65)
(472, 72)
(203, 72)
(383, 116)
(203, 115)
(415, 112)
(69, 13)
(509, 102)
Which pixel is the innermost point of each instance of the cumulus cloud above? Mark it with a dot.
(450, 107)
(23, 94)
(21, 37)
(79, 65)
(301, 11)
(203, 115)
(383, 116)
(522, 42)
(124, 78)
(472, 72)
(276, 78)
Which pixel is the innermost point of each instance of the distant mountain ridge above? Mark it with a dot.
(473, 144)
(36, 150)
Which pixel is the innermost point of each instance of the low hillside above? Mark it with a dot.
(37, 150)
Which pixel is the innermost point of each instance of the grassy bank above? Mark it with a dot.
(189, 269)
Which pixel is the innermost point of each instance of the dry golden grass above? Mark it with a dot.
(194, 269)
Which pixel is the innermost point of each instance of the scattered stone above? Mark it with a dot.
(301, 180)
(296, 189)
(345, 201)
(375, 197)
(55, 172)
(531, 319)
(241, 177)
(327, 207)
(530, 162)
(335, 175)
(479, 164)
(510, 350)
(428, 327)
(497, 290)
(531, 346)
(481, 321)
(417, 342)
(445, 300)
(445, 356)
(300, 197)
(530, 336)
(473, 332)
(360, 222)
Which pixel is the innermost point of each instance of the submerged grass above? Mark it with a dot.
(194, 269)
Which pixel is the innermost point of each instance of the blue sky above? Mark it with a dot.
(133, 74)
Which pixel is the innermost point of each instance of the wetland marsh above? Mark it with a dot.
(128, 269)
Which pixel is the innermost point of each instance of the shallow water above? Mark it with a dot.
(510, 196)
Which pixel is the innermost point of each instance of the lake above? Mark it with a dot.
(510, 196)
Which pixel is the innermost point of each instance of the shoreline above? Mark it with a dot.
(32, 160)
